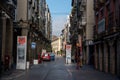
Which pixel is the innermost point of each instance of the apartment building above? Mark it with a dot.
(23, 18)
(81, 30)
(107, 36)
(65, 36)
(87, 23)
(56, 44)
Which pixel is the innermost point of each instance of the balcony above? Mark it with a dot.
(96, 6)
(83, 3)
(83, 23)
(79, 14)
(82, 8)
(11, 3)
(74, 9)
(73, 38)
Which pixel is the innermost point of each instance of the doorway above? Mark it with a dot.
(91, 55)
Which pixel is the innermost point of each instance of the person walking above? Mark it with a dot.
(78, 58)
(78, 62)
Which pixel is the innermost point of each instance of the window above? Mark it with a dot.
(108, 8)
(102, 13)
(110, 20)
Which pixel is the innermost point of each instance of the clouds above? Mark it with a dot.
(58, 24)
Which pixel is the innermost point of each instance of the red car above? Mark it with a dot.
(46, 56)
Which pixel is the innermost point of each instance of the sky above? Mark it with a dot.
(59, 9)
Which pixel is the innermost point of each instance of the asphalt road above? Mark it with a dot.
(48, 70)
(58, 70)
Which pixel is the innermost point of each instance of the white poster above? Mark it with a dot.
(43, 51)
(21, 52)
(68, 54)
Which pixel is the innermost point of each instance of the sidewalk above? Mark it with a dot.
(11, 75)
(88, 72)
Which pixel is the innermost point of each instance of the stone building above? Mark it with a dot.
(82, 22)
(31, 19)
(65, 36)
(56, 44)
(22, 18)
(107, 36)
(7, 16)
(73, 26)
(87, 23)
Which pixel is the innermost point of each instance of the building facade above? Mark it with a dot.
(65, 36)
(23, 18)
(107, 36)
(34, 21)
(7, 16)
(87, 23)
(82, 22)
(56, 44)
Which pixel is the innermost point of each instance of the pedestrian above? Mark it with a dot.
(7, 62)
(78, 62)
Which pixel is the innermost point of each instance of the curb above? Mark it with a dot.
(13, 77)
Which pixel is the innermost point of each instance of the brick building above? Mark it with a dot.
(107, 36)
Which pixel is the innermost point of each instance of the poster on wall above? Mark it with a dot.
(21, 52)
(43, 51)
(68, 54)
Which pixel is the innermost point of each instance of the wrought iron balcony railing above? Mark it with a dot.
(83, 21)
(83, 3)
(74, 9)
(10, 3)
(82, 8)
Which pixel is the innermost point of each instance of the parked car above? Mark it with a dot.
(46, 56)
(52, 56)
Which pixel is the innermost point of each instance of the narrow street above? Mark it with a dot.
(58, 70)
(53, 70)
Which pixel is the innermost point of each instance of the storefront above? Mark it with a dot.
(107, 57)
(0, 43)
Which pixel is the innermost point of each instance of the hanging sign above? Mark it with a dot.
(33, 45)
